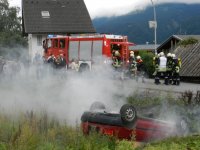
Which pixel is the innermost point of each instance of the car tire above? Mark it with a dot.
(128, 115)
(97, 106)
(84, 67)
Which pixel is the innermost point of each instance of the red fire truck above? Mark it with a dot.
(86, 48)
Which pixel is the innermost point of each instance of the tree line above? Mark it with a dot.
(11, 38)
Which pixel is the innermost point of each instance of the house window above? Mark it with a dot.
(39, 40)
(45, 14)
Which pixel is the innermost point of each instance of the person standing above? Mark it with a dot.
(117, 61)
(140, 68)
(176, 69)
(169, 69)
(156, 65)
(162, 62)
(132, 66)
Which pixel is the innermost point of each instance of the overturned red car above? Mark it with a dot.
(128, 125)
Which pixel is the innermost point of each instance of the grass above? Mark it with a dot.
(32, 132)
(38, 131)
(175, 143)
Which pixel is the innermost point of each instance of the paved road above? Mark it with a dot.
(171, 88)
(150, 87)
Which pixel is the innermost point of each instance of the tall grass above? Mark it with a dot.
(40, 132)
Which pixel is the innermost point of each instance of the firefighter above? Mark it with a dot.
(117, 61)
(60, 61)
(51, 59)
(176, 69)
(51, 63)
(131, 57)
(132, 66)
(140, 68)
(61, 64)
(169, 69)
(162, 62)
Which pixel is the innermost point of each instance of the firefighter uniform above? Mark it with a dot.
(117, 61)
(176, 69)
(162, 61)
(132, 66)
(60, 62)
(169, 69)
(140, 68)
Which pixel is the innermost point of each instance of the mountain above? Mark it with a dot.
(172, 18)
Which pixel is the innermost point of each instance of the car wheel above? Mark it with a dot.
(128, 114)
(84, 67)
(97, 106)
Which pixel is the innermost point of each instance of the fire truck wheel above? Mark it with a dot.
(97, 106)
(128, 114)
(84, 67)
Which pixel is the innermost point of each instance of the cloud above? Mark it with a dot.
(108, 8)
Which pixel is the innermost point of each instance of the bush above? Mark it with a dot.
(148, 62)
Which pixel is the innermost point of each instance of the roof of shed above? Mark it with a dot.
(190, 56)
(56, 16)
(178, 38)
(149, 47)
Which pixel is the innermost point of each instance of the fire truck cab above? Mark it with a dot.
(86, 49)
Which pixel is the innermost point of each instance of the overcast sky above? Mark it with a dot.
(99, 8)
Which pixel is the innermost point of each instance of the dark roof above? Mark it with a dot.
(149, 47)
(183, 37)
(190, 56)
(59, 16)
(176, 38)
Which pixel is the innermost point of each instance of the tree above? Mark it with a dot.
(10, 27)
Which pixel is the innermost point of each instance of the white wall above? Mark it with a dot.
(33, 45)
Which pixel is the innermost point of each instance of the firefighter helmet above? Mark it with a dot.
(169, 55)
(162, 54)
(173, 55)
(132, 52)
(138, 57)
(117, 53)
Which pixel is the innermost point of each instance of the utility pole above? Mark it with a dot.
(154, 26)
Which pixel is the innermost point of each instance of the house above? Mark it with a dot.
(172, 42)
(41, 18)
(190, 55)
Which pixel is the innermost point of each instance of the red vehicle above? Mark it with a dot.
(127, 124)
(86, 48)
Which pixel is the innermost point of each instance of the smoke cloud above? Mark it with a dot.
(65, 95)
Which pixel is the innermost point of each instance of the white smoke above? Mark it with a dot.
(64, 96)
